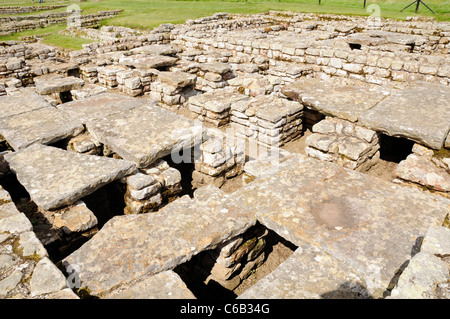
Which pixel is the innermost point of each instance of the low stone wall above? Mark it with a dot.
(90, 20)
(20, 10)
(343, 142)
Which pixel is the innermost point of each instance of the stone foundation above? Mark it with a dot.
(344, 143)
(148, 189)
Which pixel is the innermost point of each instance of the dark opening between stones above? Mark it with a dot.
(65, 96)
(106, 202)
(74, 72)
(394, 149)
(185, 170)
(257, 252)
(355, 46)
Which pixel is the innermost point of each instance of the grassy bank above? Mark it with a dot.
(145, 14)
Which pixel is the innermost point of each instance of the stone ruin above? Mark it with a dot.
(180, 162)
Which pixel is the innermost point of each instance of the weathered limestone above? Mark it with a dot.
(49, 84)
(73, 219)
(342, 142)
(164, 285)
(86, 91)
(158, 241)
(345, 214)
(45, 125)
(156, 49)
(85, 144)
(232, 262)
(107, 75)
(419, 113)
(100, 106)
(151, 187)
(426, 167)
(173, 88)
(343, 99)
(147, 62)
(270, 120)
(317, 276)
(56, 178)
(217, 161)
(214, 107)
(25, 270)
(426, 276)
(160, 132)
(24, 102)
(212, 76)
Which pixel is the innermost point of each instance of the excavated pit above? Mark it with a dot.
(202, 274)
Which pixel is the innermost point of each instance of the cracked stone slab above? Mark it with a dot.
(420, 113)
(45, 125)
(342, 98)
(144, 134)
(48, 84)
(100, 106)
(164, 285)
(130, 246)
(369, 224)
(21, 103)
(54, 177)
(317, 276)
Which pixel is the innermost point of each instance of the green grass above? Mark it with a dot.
(147, 14)
(65, 41)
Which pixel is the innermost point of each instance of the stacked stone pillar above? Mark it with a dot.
(345, 143)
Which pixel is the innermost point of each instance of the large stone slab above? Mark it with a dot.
(54, 177)
(21, 103)
(101, 105)
(148, 62)
(164, 285)
(309, 273)
(340, 98)
(144, 134)
(130, 246)
(156, 49)
(45, 125)
(420, 113)
(366, 223)
(48, 84)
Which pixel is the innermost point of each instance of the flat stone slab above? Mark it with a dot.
(215, 67)
(148, 62)
(164, 285)
(366, 223)
(146, 133)
(341, 98)
(419, 113)
(24, 102)
(156, 49)
(101, 105)
(54, 177)
(48, 84)
(177, 79)
(217, 101)
(45, 125)
(309, 273)
(130, 246)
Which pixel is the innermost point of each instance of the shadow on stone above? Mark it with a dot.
(348, 290)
